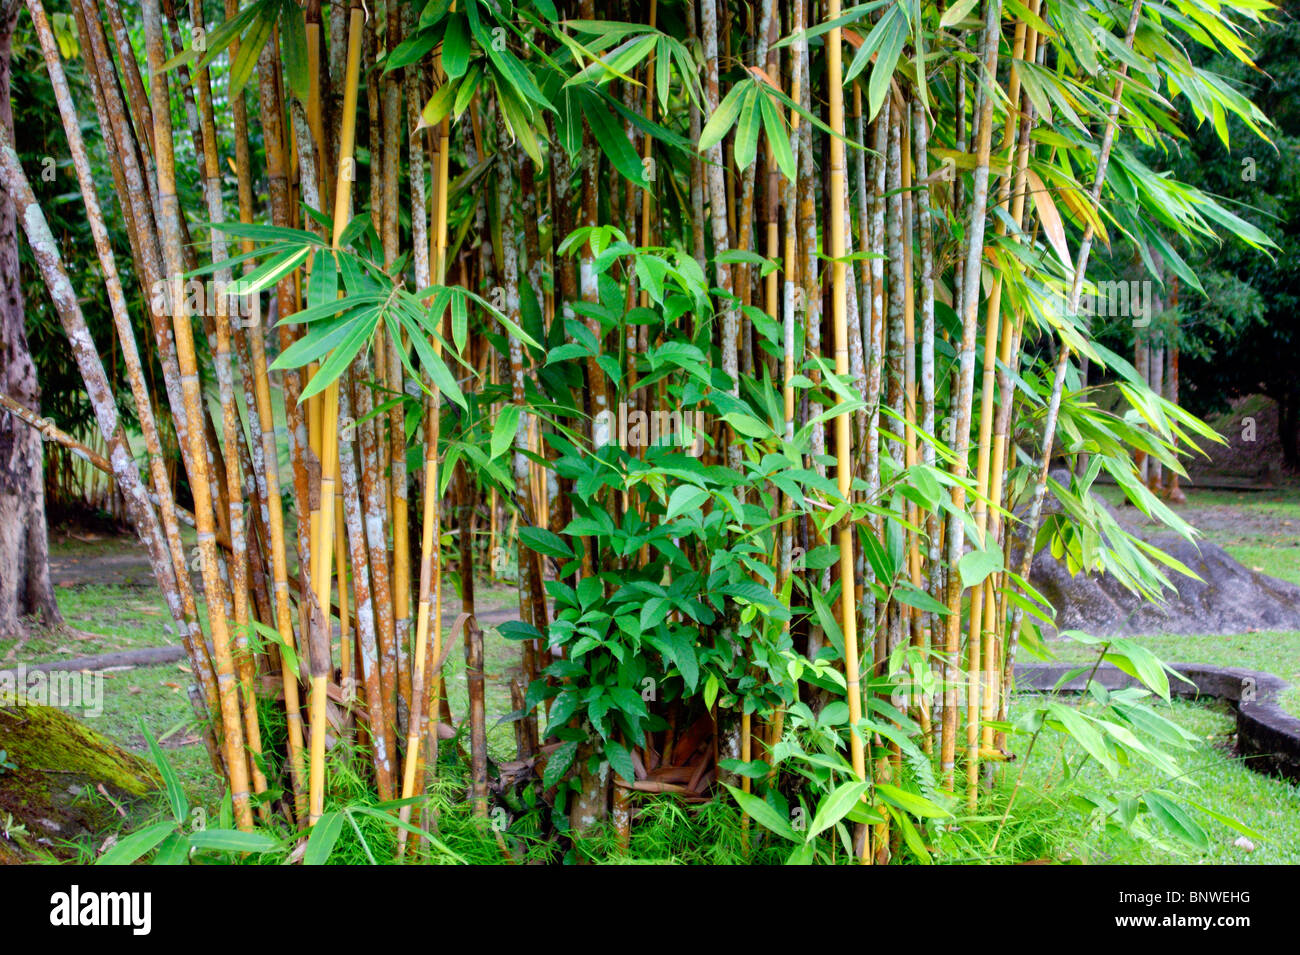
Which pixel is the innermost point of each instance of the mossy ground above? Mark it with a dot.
(50, 790)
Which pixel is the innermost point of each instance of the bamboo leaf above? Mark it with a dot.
(220, 38)
(232, 840)
(323, 286)
(976, 565)
(882, 73)
(724, 117)
(747, 128)
(778, 138)
(250, 48)
(764, 814)
(1050, 219)
(315, 343)
(505, 430)
(133, 847)
(912, 837)
(911, 802)
(176, 800)
(360, 328)
(1084, 734)
(432, 363)
(392, 820)
(269, 273)
(175, 850)
(440, 104)
(293, 49)
(957, 12)
(1228, 821)
(414, 48)
(323, 837)
(835, 805)
(613, 141)
(1176, 820)
(456, 48)
(459, 321)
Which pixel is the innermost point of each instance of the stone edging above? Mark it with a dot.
(1267, 736)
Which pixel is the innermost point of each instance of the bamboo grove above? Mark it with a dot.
(750, 339)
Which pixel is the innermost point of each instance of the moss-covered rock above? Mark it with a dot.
(49, 789)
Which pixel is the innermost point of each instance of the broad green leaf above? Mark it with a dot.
(1176, 820)
(911, 802)
(131, 848)
(293, 50)
(763, 813)
(505, 430)
(748, 425)
(976, 565)
(685, 498)
(558, 763)
(323, 836)
(621, 760)
(456, 48)
(232, 840)
(724, 117)
(545, 542)
(835, 805)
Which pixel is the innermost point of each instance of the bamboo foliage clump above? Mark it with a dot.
(619, 297)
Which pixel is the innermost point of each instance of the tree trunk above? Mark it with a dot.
(24, 547)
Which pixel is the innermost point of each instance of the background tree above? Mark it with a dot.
(24, 547)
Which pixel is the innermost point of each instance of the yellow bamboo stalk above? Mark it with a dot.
(843, 436)
(972, 257)
(994, 620)
(201, 483)
(330, 431)
(993, 330)
(426, 685)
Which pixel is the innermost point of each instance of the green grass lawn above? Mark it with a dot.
(1262, 530)
(1280, 561)
(107, 618)
(1212, 777)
